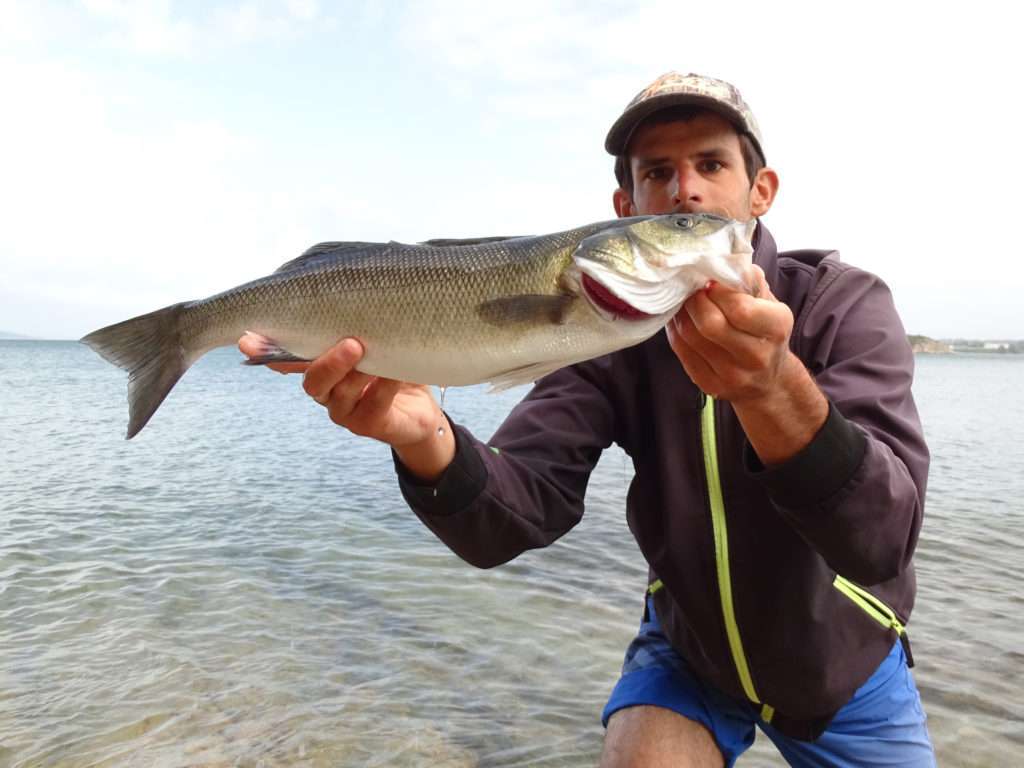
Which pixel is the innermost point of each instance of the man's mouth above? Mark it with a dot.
(608, 301)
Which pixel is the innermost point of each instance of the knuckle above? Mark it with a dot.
(743, 313)
(714, 327)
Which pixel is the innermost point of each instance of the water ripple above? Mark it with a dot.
(227, 591)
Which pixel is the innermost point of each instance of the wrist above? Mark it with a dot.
(427, 459)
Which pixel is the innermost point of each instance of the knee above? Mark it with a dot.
(651, 737)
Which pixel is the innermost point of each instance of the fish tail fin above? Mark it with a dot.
(150, 347)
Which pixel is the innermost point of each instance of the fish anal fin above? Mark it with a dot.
(526, 308)
(269, 353)
(281, 357)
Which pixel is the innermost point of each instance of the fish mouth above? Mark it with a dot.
(606, 300)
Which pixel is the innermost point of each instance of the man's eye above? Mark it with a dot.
(711, 166)
(657, 174)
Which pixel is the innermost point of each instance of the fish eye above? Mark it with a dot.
(684, 222)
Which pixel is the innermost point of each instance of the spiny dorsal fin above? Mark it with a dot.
(325, 251)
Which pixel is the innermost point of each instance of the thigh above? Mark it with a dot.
(659, 704)
(653, 737)
(882, 725)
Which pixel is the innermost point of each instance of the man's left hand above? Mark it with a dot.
(735, 347)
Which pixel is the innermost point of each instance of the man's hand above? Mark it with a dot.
(405, 416)
(735, 347)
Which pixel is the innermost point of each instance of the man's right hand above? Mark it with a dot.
(405, 416)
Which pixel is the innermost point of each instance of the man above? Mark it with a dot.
(780, 473)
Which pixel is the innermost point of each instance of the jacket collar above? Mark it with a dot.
(766, 254)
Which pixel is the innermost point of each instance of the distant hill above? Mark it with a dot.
(927, 345)
(923, 344)
(8, 336)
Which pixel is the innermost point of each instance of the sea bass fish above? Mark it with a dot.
(445, 312)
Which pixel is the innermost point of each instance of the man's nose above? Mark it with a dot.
(687, 189)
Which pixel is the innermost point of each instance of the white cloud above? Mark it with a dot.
(144, 26)
(251, 22)
(894, 139)
(122, 220)
(156, 28)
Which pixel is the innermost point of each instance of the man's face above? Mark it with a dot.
(694, 166)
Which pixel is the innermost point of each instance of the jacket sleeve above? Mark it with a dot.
(856, 493)
(525, 488)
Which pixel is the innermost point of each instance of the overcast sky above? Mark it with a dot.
(152, 152)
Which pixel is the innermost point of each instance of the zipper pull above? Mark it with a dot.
(905, 642)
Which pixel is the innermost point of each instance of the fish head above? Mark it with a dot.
(647, 266)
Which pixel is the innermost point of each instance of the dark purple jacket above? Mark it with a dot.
(819, 549)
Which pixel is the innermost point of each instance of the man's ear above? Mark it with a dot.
(762, 193)
(623, 203)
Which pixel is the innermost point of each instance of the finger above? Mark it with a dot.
(694, 363)
(763, 317)
(331, 367)
(345, 395)
(727, 348)
(288, 367)
(715, 356)
(706, 316)
(376, 401)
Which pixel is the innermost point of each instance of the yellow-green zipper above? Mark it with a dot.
(871, 605)
(718, 524)
(877, 610)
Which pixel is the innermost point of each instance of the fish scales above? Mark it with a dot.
(503, 311)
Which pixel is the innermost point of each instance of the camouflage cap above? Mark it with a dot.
(673, 89)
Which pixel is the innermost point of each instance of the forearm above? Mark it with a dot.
(785, 420)
(851, 498)
(488, 506)
(525, 487)
(856, 491)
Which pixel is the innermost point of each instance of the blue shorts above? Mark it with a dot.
(883, 724)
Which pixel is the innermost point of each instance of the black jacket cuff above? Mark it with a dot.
(817, 472)
(455, 489)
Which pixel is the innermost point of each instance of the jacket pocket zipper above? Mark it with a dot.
(877, 610)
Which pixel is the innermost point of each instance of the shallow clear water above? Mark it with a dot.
(241, 584)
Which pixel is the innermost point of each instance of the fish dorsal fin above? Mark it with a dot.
(445, 242)
(324, 251)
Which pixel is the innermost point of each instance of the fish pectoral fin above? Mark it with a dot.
(526, 308)
(525, 375)
(269, 353)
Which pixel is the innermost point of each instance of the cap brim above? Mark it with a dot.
(621, 132)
